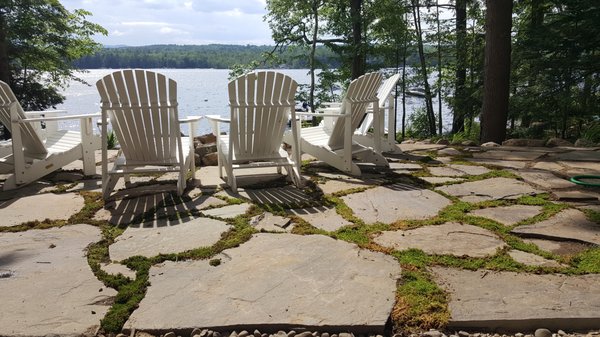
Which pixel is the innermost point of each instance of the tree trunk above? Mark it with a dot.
(313, 49)
(439, 56)
(358, 52)
(4, 64)
(458, 120)
(428, 101)
(497, 71)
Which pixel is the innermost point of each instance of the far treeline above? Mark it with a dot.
(218, 56)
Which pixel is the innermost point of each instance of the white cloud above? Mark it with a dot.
(144, 22)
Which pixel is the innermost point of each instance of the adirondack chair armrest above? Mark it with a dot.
(58, 118)
(190, 119)
(219, 118)
(325, 114)
(49, 113)
(214, 122)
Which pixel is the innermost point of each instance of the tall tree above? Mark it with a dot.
(39, 40)
(458, 119)
(497, 70)
(423, 67)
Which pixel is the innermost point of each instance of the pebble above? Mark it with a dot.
(433, 333)
(197, 332)
(542, 332)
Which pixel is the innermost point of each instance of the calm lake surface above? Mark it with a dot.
(200, 92)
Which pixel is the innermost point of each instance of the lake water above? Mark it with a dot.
(200, 92)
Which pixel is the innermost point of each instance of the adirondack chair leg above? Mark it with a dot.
(87, 144)
(372, 157)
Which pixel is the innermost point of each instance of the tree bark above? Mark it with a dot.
(428, 101)
(458, 120)
(313, 50)
(4, 64)
(358, 51)
(497, 71)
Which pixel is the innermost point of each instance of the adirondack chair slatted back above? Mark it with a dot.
(260, 105)
(385, 90)
(10, 109)
(142, 107)
(361, 92)
(384, 94)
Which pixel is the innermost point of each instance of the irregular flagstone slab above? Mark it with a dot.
(577, 156)
(569, 224)
(500, 163)
(449, 152)
(444, 171)
(287, 195)
(47, 286)
(441, 180)
(517, 301)
(209, 176)
(548, 166)
(489, 189)
(565, 248)
(322, 217)
(508, 155)
(577, 196)
(405, 166)
(405, 147)
(472, 170)
(123, 212)
(588, 167)
(270, 222)
(544, 179)
(532, 259)
(148, 242)
(199, 203)
(117, 268)
(39, 207)
(444, 239)
(391, 203)
(334, 186)
(277, 280)
(508, 215)
(228, 212)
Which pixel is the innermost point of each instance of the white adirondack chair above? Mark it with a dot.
(332, 141)
(363, 134)
(142, 109)
(261, 104)
(37, 152)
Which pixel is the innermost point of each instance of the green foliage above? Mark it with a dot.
(41, 40)
(418, 125)
(111, 140)
(588, 261)
(471, 133)
(592, 133)
(555, 70)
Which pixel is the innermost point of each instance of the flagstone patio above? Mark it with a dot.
(329, 258)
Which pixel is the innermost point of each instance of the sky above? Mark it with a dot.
(146, 22)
